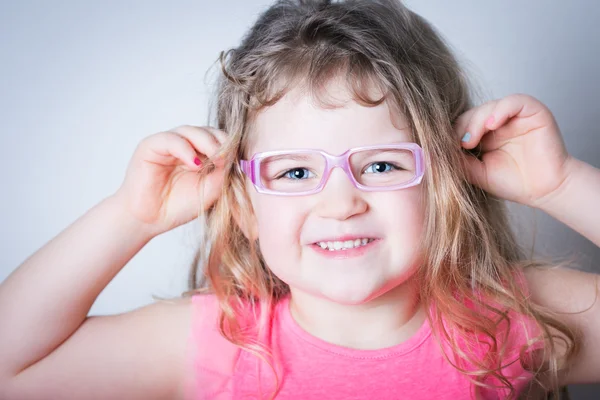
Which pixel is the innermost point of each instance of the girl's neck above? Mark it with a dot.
(385, 321)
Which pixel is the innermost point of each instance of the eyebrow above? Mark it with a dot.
(295, 157)
(383, 151)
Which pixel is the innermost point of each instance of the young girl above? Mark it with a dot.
(356, 242)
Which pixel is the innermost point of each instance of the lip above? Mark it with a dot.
(344, 254)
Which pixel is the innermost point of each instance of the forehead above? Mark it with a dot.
(298, 121)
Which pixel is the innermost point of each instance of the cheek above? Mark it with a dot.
(405, 217)
(279, 222)
(275, 220)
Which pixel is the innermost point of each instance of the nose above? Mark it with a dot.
(340, 199)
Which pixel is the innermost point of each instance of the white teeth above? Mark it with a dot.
(345, 245)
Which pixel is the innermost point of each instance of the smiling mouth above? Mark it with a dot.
(344, 245)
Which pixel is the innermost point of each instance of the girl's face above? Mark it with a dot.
(288, 228)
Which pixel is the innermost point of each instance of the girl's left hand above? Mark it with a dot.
(524, 158)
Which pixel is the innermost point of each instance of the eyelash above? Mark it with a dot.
(393, 166)
(283, 175)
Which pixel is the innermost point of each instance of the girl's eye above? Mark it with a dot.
(297, 174)
(379, 167)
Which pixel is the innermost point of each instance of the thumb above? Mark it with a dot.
(210, 188)
(476, 171)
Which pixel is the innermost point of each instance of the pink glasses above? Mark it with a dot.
(305, 171)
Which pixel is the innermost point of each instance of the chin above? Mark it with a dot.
(349, 295)
(360, 292)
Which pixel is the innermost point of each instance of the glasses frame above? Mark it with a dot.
(252, 168)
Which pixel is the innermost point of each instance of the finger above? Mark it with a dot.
(497, 138)
(222, 138)
(507, 119)
(172, 149)
(516, 105)
(476, 172)
(203, 140)
(474, 128)
(218, 133)
(493, 140)
(460, 124)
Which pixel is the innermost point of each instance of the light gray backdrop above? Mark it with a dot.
(81, 83)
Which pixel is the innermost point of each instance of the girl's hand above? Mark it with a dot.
(523, 155)
(161, 187)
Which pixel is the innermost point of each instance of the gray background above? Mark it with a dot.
(81, 83)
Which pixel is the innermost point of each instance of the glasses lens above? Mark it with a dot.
(383, 167)
(292, 173)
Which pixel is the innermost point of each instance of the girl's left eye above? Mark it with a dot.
(379, 167)
(297, 174)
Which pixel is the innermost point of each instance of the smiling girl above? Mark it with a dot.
(356, 243)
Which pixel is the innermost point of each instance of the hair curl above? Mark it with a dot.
(471, 256)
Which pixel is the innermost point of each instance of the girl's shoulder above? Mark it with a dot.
(495, 322)
(212, 357)
(517, 329)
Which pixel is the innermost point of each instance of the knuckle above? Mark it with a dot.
(148, 140)
(493, 104)
(523, 97)
(170, 136)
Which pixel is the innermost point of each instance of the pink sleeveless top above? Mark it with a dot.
(310, 368)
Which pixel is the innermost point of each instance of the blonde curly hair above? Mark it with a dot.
(471, 260)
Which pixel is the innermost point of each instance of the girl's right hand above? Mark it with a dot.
(161, 188)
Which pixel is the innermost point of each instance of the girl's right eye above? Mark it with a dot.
(381, 167)
(297, 174)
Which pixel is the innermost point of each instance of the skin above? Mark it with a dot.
(525, 161)
(372, 302)
(362, 302)
(78, 356)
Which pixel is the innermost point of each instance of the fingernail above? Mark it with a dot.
(467, 137)
(197, 161)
